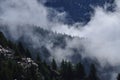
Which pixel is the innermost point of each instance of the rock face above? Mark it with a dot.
(21, 66)
(25, 62)
(6, 52)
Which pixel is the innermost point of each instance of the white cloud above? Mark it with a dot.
(18, 12)
(103, 35)
(102, 32)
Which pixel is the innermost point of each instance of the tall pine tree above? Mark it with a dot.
(118, 77)
(54, 65)
(79, 71)
(93, 73)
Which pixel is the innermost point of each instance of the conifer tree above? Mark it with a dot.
(54, 65)
(93, 73)
(69, 71)
(3, 40)
(38, 58)
(118, 77)
(79, 71)
(21, 48)
(27, 53)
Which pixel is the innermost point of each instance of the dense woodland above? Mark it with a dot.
(11, 70)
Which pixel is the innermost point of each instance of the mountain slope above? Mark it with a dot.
(16, 64)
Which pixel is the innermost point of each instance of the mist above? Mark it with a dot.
(20, 17)
(101, 34)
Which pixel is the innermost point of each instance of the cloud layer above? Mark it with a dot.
(102, 32)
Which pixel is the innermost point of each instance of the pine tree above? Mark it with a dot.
(54, 65)
(38, 58)
(63, 70)
(39, 61)
(21, 48)
(27, 53)
(66, 70)
(3, 40)
(79, 71)
(118, 77)
(69, 71)
(93, 73)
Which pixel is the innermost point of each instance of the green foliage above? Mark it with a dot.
(54, 65)
(3, 40)
(93, 73)
(38, 59)
(80, 71)
(66, 70)
(10, 70)
(27, 53)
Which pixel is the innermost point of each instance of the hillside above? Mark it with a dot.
(16, 63)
